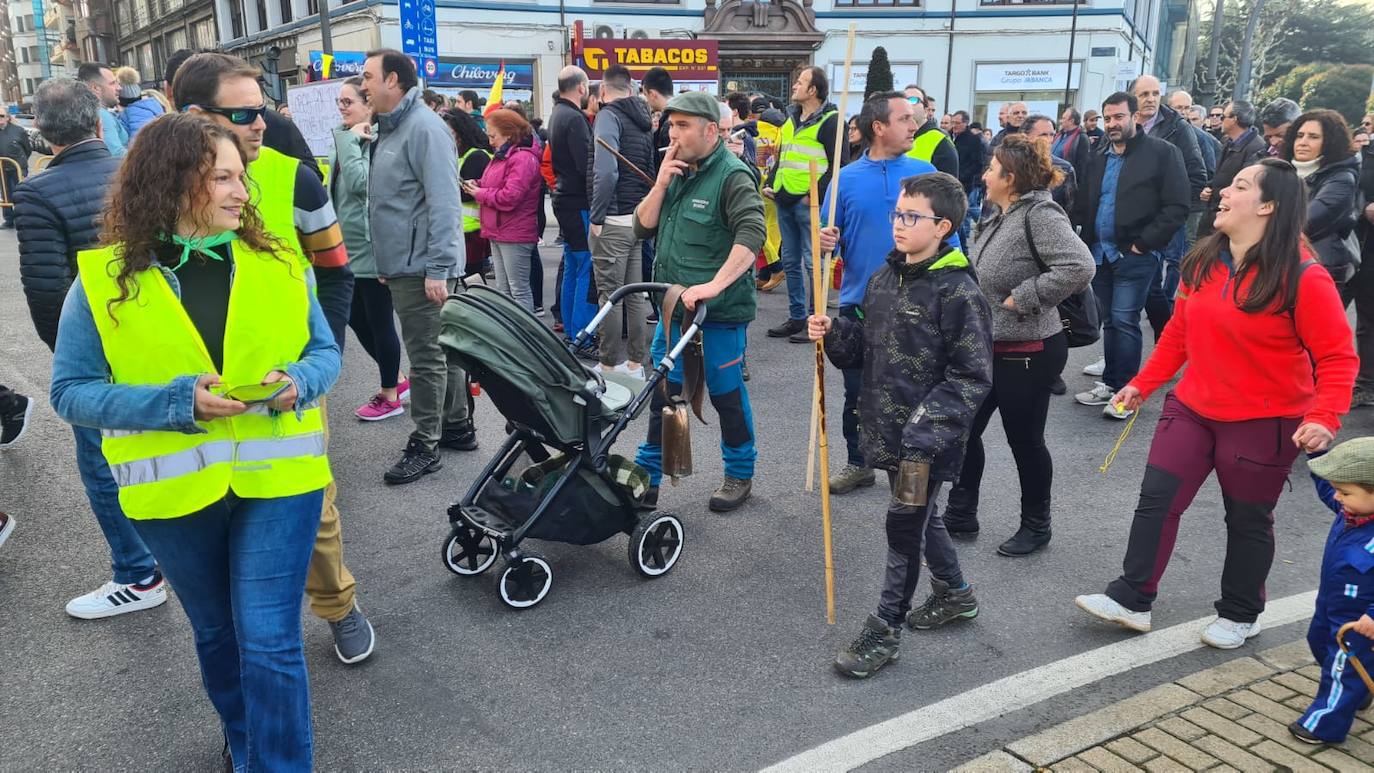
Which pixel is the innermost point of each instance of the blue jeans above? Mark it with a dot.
(129, 557)
(238, 567)
(1121, 288)
(971, 218)
(794, 221)
(576, 310)
(1159, 306)
(724, 352)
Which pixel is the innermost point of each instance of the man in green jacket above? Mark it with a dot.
(707, 216)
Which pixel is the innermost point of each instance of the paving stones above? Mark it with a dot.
(1231, 717)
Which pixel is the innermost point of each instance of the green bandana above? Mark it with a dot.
(204, 245)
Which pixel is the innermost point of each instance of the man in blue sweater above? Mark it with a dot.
(868, 191)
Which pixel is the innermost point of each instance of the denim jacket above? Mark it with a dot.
(83, 395)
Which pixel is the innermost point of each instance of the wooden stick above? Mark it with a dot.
(815, 247)
(818, 276)
(626, 161)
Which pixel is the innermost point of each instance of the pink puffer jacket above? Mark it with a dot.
(510, 195)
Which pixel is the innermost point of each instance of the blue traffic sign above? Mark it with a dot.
(419, 36)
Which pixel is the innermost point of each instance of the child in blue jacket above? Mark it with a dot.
(1345, 483)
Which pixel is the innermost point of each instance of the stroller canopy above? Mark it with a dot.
(531, 370)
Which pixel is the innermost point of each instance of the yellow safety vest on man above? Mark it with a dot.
(274, 173)
(164, 474)
(472, 211)
(924, 146)
(797, 150)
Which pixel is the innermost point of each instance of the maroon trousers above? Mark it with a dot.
(1252, 460)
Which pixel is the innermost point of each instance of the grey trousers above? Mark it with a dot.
(617, 260)
(438, 386)
(510, 262)
(909, 530)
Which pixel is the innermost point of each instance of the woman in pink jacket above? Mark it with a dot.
(509, 197)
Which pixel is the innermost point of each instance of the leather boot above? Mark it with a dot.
(961, 514)
(1034, 533)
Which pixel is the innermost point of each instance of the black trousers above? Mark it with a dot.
(1021, 393)
(374, 322)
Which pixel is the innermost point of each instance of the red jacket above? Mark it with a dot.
(1254, 366)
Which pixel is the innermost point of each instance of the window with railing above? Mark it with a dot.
(1032, 2)
(877, 3)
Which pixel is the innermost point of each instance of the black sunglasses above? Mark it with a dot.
(239, 116)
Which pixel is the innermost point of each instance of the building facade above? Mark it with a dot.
(149, 31)
(968, 54)
(39, 48)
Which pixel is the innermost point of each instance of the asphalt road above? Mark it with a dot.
(724, 664)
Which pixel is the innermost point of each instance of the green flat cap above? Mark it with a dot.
(1349, 462)
(697, 103)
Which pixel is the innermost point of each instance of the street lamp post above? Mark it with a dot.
(1068, 75)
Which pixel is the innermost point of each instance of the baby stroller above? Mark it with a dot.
(555, 477)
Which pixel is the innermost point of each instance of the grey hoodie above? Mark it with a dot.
(414, 208)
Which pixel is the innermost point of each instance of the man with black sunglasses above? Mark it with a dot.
(295, 208)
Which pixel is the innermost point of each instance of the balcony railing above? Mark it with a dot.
(1032, 2)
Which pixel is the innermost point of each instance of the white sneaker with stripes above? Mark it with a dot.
(115, 598)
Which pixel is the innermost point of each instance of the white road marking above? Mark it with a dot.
(1018, 691)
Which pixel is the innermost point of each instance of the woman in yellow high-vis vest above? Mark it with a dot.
(194, 342)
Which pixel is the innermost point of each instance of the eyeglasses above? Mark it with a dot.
(349, 102)
(1218, 115)
(239, 116)
(910, 219)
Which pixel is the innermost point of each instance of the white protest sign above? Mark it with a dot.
(315, 111)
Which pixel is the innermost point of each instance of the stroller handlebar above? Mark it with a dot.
(634, 287)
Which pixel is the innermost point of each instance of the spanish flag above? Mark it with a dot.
(494, 101)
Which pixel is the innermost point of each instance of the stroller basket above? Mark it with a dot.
(585, 512)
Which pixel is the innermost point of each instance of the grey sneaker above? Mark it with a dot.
(353, 637)
(876, 645)
(943, 605)
(851, 477)
(732, 493)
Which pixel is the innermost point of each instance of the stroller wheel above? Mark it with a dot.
(656, 544)
(525, 581)
(467, 551)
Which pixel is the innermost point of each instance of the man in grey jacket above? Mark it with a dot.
(413, 213)
(623, 123)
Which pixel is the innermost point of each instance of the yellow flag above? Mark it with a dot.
(326, 65)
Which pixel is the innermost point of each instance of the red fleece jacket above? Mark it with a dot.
(1254, 366)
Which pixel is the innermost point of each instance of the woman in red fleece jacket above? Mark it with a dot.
(1271, 365)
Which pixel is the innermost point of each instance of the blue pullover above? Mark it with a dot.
(868, 191)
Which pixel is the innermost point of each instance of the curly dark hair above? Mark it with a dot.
(163, 176)
(465, 128)
(1029, 162)
(1336, 142)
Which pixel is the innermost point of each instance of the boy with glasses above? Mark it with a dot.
(923, 336)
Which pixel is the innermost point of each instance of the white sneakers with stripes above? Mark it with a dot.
(115, 598)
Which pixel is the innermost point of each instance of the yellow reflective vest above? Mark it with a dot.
(924, 146)
(167, 474)
(797, 149)
(275, 173)
(472, 211)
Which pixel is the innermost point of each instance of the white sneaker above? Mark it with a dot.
(1096, 369)
(1102, 606)
(1100, 394)
(1111, 412)
(625, 368)
(1228, 634)
(114, 598)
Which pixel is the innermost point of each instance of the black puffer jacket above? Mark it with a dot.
(1235, 156)
(1332, 193)
(612, 187)
(55, 216)
(923, 336)
(1175, 130)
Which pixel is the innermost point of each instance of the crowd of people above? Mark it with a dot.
(970, 261)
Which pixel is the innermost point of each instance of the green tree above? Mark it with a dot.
(1343, 89)
(879, 73)
(1289, 86)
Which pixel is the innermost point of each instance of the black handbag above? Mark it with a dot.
(1078, 312)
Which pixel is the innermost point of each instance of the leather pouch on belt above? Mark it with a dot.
(913, 483)
(677, 439)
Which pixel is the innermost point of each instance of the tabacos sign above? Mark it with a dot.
(687, 60)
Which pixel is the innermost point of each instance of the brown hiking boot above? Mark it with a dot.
(850, 478)
(732, 493)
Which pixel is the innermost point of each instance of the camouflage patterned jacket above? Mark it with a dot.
(923, 337)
